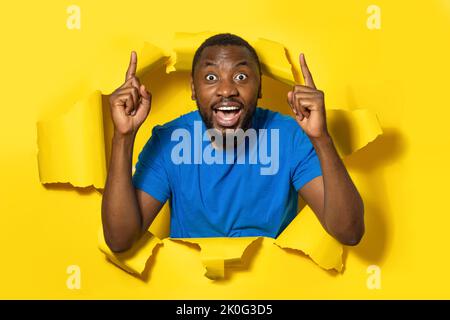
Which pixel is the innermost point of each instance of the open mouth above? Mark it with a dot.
(227, 115)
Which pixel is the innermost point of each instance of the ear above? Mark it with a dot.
(259, 90)
(193, 96)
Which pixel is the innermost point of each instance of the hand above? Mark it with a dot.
(308, 105)
(130, 103)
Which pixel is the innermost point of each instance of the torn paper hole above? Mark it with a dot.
(218, 253)
(85, 164)
(305, 233)
(184, 46)
(274, 62)
(352, 130)
(71, 147)
(134, 259)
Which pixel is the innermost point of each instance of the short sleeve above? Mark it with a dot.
(305, 164)
(151, 174)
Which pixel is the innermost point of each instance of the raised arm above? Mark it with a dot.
(333, 197)
(126, 212)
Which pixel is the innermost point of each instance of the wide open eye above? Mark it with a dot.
(241, 76)
(211, 77)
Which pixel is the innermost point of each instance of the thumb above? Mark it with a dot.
(146, 97)
(290, 102)
(144, 105)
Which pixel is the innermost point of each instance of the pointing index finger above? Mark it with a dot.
(306, 73)
(132, 66)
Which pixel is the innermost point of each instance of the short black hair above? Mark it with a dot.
(224, 39)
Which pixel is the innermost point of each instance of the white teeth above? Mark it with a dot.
(228, 108)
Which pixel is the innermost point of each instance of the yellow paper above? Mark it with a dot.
(134, 259)
(217, 253)
(151, 57)
(71, 146)
(352, 130)
(274, 62)
(184, 46)
(305, 233)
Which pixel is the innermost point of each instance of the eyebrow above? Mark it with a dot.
(240, 63)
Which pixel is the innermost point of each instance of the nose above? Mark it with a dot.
(227, 88)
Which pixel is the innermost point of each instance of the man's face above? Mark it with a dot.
(226, 87)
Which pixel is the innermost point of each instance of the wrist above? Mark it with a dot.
(124, 142)
(322, 141)
(123, 137)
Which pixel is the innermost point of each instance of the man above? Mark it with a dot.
(226, 199)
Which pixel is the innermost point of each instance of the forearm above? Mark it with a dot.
(121, 215)
(343, 210)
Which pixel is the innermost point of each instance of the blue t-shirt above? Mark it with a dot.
(251, 191)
